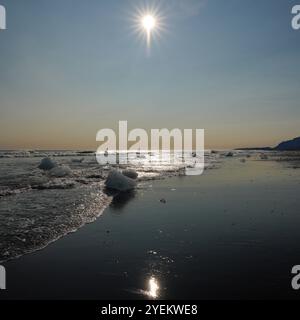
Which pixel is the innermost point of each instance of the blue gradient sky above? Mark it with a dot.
(69, 68)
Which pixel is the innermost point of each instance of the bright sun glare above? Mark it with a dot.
(148, 22)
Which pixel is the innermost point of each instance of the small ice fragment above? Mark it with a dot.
(47, 164)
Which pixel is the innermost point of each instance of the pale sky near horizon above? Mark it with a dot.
(69, 68)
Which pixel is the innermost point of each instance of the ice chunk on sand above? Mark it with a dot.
(117, 181)
(60, 172)
(47, 164)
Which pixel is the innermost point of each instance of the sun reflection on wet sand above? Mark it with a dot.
(153, 288)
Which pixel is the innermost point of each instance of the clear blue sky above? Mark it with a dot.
(69, 68)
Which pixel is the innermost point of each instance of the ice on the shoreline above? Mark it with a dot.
(60, 172)
(47, 164)
(117, 181)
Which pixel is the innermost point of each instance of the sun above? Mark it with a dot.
(148, 22)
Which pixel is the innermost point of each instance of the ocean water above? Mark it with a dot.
(37, 209)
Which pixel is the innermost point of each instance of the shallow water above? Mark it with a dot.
(36, 209)
(230, 233)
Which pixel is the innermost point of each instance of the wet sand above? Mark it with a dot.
(232, 233)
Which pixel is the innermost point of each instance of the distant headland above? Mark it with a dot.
(289, 145)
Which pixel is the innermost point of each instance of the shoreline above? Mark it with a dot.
(181, 243)
(106, 199)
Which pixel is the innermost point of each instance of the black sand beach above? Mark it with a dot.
(232, 233)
